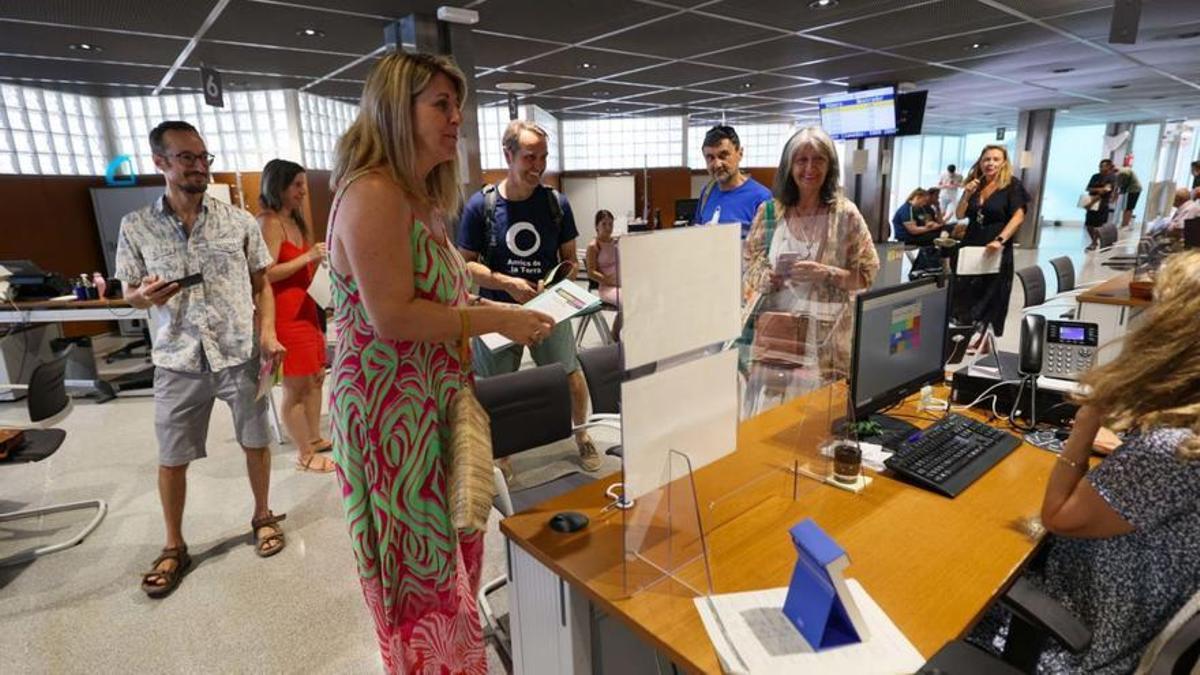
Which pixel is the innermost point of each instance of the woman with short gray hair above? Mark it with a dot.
(808, 252)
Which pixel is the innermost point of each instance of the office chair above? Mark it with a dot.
(528, 409)
(47, 404)
(1036, 616)
(595, 316)
(602, 370)
(1033, 282)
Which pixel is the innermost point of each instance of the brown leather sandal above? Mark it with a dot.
(171, 577)
(270, 520)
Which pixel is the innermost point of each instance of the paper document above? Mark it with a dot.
(974, 260)
(873, 455)
(751, 635)
(319, 290)
(270, 371)
(561, 301)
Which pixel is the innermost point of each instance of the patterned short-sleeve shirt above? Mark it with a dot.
(213, 321)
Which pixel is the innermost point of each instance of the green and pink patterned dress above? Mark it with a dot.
(390, 407)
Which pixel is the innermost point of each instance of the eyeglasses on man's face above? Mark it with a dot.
(190, 158)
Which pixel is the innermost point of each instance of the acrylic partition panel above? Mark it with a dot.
(680, 291)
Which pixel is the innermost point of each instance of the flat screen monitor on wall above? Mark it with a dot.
(859, 114)
(910, 112)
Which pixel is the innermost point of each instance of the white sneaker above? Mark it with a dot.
(589, 457)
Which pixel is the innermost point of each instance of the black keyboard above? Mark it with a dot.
(952, 453)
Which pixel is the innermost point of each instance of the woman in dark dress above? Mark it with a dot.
(993, 202)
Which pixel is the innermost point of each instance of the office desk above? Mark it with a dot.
(57, 311)
(1111, 306)
(932, 563)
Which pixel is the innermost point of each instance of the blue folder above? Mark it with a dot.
(813, 604)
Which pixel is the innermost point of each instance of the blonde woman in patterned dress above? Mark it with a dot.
(400, 304)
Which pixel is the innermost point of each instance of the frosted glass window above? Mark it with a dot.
(1074, 153)
(322, 122)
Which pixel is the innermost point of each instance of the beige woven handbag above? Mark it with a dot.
(471, 483)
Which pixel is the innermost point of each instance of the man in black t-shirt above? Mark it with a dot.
(1101, 187)
(512, 234)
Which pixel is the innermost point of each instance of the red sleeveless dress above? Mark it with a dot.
(296, 322)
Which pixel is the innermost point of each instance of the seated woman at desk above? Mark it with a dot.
(602, 265)
(807, 252)
(1124, 550)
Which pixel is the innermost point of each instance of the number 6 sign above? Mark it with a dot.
(210, 82)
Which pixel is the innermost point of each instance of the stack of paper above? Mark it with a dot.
(561, 301)
(751, 635)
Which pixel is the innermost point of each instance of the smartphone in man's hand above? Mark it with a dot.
(189, 280)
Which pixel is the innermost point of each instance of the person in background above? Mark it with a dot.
(1195, 175)
(932, 206)
(1123, 550)
(993, 202)
(806, 260)
(949, 182)
(731, 196)
(207, 344)
(602, 265)
(526, 232)
(283, 189)
(1128, 184)
(1101, 186)
(1187, 206)
(401, 306)
(913, 222)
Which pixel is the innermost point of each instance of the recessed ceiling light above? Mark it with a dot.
(823, 4)
(587, 66)
(1118, 86)
(974, 46)
(1063, 70)
(514, 86)
(86, 47)
(748, 85)
(613, 108)
(600, 92)
(310, 32)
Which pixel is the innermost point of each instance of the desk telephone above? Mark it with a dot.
(1058, 349)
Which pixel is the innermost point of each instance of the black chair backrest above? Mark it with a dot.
(48, 389)
(1108, 235)
(1034, 283)
(602, 369)
(528, 408)
(1191, 233)
(1181, 652)
(1064, 269)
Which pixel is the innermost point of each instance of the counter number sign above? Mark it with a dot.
(210, 82)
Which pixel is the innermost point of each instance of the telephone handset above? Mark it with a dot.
(1033, 340)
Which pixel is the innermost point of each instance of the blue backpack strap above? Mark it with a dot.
(705, 193)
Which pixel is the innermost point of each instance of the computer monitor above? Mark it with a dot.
(685, 209)
(899, 343)
(910, 112)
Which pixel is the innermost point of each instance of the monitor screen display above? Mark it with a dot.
(859, 114)
(899, 342)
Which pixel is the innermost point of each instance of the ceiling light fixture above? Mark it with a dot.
(587, 66)
(822, 4)
(514, 86)
(1060, 71)
(86, 47)
(599, 93)
(748, 85)
(310, 32)
(975, 46)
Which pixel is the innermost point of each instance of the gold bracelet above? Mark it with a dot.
(1070, 462)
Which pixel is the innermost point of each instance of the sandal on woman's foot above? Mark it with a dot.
(323, 445)
(268, 545)
(170, 577)
(306, 464)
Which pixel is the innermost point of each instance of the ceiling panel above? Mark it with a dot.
(189, 77)
(837, 69)
(98, 73)
(798, 15)
(492, 51)
(600, 63)
(678, 74)
(257, 23)
(169, 17)
(806, 91)
(917, 23)
(540, 83)
(779, 53)
(612, 107)
(358, 71)
(385, 8)
(337, 89)
(989, 41)
(685, 36)
(255, 59)
(49, 41)
(603, 90)
(566, 20)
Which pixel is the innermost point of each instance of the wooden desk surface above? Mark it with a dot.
(1115, 291)
(932, 563)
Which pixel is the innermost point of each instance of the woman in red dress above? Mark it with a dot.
(297, 323)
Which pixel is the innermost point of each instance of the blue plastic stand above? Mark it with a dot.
(813, 603)
(110, 173)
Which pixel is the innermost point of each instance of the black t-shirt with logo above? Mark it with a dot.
(525, 240)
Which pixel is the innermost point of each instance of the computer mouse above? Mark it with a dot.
(568, 521)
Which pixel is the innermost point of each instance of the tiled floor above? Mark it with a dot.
(82, 611)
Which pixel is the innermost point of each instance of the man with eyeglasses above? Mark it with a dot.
(204, 341)
(731, 196)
